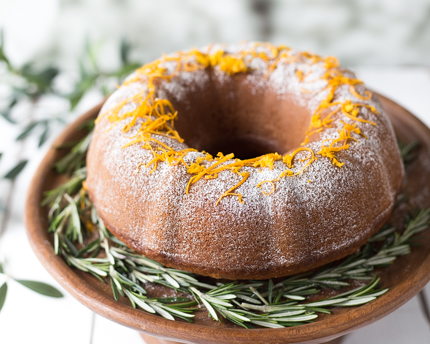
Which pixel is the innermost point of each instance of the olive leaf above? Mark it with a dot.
(6, 113)
(32, 82)
(6, 116)
(3, 293)
(2, 53)
(81, 88)
(41, 288)
(15, 171)
(125, 48)
(27, 131)
(44, 136)
(42, 79)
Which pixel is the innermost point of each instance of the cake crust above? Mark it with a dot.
(252, 220)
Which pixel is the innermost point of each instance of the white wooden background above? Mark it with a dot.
(30, 318)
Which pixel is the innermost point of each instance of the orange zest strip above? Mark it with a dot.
(229, 191)
(367, 96)
(151, 116)
(288, 160)
(267, 181)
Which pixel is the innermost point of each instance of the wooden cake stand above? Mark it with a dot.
(405, 278)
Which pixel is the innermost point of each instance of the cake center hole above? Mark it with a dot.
(242, 147)
(233, 116)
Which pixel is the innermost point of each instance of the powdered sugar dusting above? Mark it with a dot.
(319, 213)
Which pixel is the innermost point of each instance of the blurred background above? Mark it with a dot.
(374, 32)
(58, 58)
(78, 49)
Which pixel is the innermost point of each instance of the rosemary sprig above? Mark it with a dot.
(73, 220)
(75, 160)
(408, 151)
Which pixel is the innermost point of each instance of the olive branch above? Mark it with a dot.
(32, 83)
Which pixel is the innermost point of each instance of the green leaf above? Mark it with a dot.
(105, 90)
(1, 268)
(210, 309)
(326, 302)
(6, 113)
(3, 293)
(125, 70)
(27, 131)
(319, 310)
(269, 297)
(114, 289)
(13, 173)
(41, 288)
(44, 136)
(287, 314)
(74, 98)
(82, 70)
(124, 51)
(298, 318)
(295, 297)
(48, 74)
(356, 302)
(42, 79)
(163, 313)
(171, 299)
(142, 304)
(2, 54)
(266, 324)
(88, 125)
(6, 116)
(83, 85)
(92, 52)
(408, 151)
(169, 279)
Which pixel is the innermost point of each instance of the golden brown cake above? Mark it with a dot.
(309, 167)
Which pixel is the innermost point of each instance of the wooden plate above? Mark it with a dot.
(405, 278)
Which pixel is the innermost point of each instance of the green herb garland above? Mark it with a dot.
(74, 220)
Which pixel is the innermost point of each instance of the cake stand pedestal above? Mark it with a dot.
(405, 278)
(154, 340)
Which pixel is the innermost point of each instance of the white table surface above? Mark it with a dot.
(30, 318)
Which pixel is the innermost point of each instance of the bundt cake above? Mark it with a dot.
(247, 161)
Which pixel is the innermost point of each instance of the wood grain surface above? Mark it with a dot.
(405, 278)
